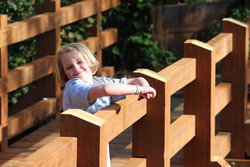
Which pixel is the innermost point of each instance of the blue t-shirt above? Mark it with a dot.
(76, 94)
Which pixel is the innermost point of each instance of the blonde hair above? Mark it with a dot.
(84, 53)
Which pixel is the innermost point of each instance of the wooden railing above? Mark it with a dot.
(44, 100)
(155, 139)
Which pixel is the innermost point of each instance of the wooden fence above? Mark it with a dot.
(155, 139)
(43, 99)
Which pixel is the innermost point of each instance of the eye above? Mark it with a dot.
(69, 67)
(79, 62)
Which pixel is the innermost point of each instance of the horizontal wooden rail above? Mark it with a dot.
(179, 74)
(222, 96)
(26, 74)
(42, 67)
(121, 115)
(60, 152)
(222, 144)
(220, 162)
(248, 73)
(135, 162)
(109, 37)
(239, 162)
(42, 23)
(222, 44)
(30, 116)
(182, 131)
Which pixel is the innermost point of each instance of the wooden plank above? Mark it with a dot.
(121, 115)
(42, 23)
(239, 162)
(220, 162)
(60, 152)
(108, 4)
(182, 131)
(222, 144)
(248, 73)
(172, 22)
(91, 148)
(3, 98)
(109, 37)
(30, 116)
(8, 156)
(48, 43)
(135, 162)
(108, 71)
(247, 137)
(155, 126)
(180, 74)
(222, 96)
(223, 45)
(26, 74)
(199, 101)
(234, 70)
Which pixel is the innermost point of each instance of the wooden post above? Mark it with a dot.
(199, 101)
(48, 44)
(97, 31)
(234, 70)
(151, 134)
(91, 140)
(4, 98)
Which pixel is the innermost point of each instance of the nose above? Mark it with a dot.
(76, 67)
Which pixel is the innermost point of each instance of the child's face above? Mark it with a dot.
(74, 67)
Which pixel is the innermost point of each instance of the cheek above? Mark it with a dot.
(68, 73)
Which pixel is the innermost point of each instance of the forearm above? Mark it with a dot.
(111, 89)
(137, 81)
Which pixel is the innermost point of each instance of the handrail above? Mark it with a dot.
(45, 27)
(31, 27)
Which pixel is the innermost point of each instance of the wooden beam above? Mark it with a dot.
(108, 4)
(109, 37)
(222, 144)
(222, 96)
(182, 131)
(248, 73)
(234, 70)
(42, 23)
(179, 74)
(121, 115)
(30, 116)
(135, 162)
(4, 98)
(59, 152)
(199, 101)
(154, 127)
(26, 74)
(247, 137)
(222, 44)
(220, 162)
(239, 162)
(91, 137)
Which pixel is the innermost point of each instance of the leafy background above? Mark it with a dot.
(135, 48)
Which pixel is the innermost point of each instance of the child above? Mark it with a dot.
(75, 67)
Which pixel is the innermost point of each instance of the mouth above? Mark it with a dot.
(77, 73)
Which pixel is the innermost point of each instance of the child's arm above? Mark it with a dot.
(138, 81)
(117, 89)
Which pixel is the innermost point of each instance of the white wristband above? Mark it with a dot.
(138, 90)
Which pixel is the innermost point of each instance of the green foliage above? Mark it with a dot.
(240, 13)
(136, 48)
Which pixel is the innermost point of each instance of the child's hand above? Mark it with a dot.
(147, 92)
